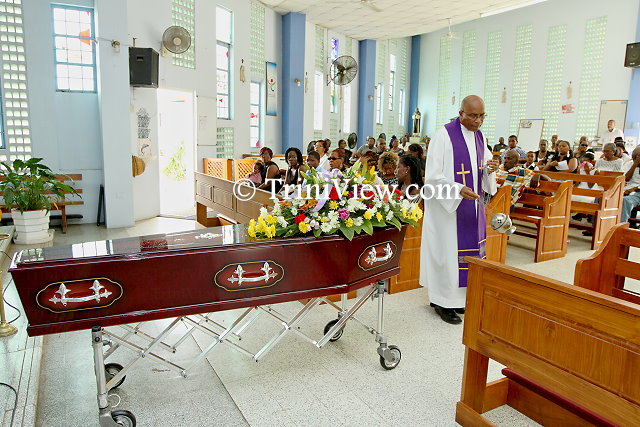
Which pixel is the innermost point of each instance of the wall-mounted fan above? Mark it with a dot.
(343, 70)
(176, 39)
(352, 140)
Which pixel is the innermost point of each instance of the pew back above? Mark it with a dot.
(582, 346)
(608, 268)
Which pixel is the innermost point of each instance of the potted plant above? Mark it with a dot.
(29, 189)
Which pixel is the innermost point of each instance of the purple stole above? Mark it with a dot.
(470, 216)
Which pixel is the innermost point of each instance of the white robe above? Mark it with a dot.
(439, 250)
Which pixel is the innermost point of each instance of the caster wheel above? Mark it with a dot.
(397, 355)
(337, 335)
(111, 370)
(124, 418)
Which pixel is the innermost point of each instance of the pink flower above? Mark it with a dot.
(343, 214)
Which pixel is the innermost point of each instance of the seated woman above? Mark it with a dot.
(347, 153)
(321, 148)
(417, 151)
(256, 176)
(408, 173)
(337, 160)
(296, 164)
(387, 164)
(271, 171)
(609, 162)
(563, 160)
(395, 147)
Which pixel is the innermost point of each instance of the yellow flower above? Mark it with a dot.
(378, 216)
(304, 227)
(417, 212)
(349, 222)
(252, 228)
(271, 219)
(372, 171)
(333, 205)
(324, 219)
(404, 212)
(368, 215)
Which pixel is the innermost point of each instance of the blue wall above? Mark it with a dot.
(293, 36)
(414, 80)
(632, 126)
(366, 89)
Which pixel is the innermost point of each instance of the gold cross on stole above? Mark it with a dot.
(463, 173)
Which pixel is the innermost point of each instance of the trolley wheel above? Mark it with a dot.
(397, 355)
(124, 418)
(337, 335)
(111, 370)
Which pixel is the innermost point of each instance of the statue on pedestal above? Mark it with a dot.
(416, 123)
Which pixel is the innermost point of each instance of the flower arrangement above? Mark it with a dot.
(350, 202)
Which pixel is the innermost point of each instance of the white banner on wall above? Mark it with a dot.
(272, 89)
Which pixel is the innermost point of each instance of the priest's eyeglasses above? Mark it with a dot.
(475, 116)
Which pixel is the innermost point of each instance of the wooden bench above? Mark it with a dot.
(217, 194)
(70, 179)
(607, 204)
(572, 354)
(550, 215)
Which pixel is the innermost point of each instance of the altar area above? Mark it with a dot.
(340, 384)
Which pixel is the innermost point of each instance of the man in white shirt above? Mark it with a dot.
(369, 146)
(611, 133)
(632, 188)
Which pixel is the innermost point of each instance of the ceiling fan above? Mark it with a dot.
(371, 4)
(450, 34)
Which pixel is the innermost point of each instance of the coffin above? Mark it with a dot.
(111, 282)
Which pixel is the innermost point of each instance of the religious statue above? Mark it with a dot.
(416, 122)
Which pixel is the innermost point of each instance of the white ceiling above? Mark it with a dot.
(397, 18)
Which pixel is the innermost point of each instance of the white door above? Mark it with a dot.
(176, 139)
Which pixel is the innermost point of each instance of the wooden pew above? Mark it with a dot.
(220, 168)
(550, 215)
(217, 194)
(606, 211)
(572, 354)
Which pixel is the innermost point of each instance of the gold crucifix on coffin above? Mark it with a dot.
(463, 173)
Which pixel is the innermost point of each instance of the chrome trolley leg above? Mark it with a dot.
(390, 355)
(107, 418)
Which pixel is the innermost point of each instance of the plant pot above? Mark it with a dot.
(31, 227)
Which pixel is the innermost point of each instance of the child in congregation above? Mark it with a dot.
(256, 176)
(531, 161)
(387, 164)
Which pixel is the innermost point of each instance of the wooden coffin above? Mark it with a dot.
(111, 282)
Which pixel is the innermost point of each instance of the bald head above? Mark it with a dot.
(470, 101)
(511, 159)
(472, 112)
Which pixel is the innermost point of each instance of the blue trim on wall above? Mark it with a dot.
(414, 81)
(366, 88)
(293, 36)
(632, 126)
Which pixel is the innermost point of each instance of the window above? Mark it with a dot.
(224, 24)
(401, 118)
(346, 109)
(317, 107)
(255, 115)
(379, 91)
(74, 50)
(392, 80)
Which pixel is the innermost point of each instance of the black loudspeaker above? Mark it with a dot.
(632, 58)
(143, 67)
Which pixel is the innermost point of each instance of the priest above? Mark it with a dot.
(454, 226)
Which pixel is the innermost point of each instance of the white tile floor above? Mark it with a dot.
(295, 384)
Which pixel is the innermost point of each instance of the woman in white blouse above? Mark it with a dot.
(322, 147)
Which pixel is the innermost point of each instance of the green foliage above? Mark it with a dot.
(30, 185)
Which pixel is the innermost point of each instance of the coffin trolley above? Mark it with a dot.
(127, 282)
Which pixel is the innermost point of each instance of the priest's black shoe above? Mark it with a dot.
(447, 314)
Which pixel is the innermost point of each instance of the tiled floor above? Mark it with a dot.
(296, 383)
